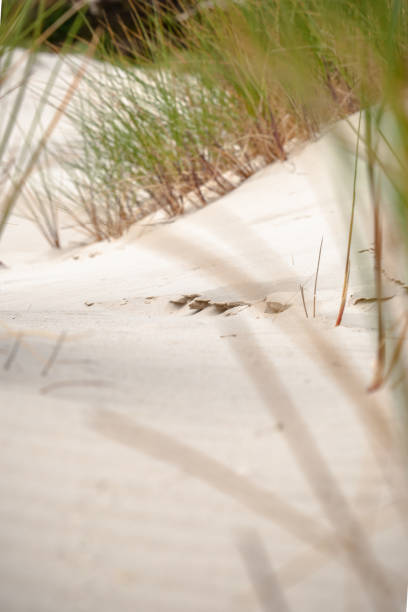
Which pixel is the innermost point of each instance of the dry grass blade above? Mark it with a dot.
(371, 147)
(54, 354)
(316, 277)
(302, 293)
(350, 232)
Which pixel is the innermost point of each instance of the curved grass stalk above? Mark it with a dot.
(350, 232)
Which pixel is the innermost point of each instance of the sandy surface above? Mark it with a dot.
(176, 435)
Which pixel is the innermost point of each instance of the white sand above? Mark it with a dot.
(158, 458)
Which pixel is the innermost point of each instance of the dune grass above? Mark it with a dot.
(184, 123)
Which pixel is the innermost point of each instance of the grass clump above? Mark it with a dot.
(248, 80)
(230, 88)
(155, 143)
(183, 124)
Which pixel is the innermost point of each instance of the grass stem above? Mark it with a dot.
(316, 277)
(350, 232)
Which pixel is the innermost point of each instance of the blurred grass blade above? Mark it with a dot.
(13, 34)
(17, 186)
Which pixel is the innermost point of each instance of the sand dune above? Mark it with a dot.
(177, 435)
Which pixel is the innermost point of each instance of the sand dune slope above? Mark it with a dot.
(178, 436)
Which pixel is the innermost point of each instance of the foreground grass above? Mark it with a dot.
(16, 29)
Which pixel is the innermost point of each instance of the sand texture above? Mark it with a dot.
(177, 436)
